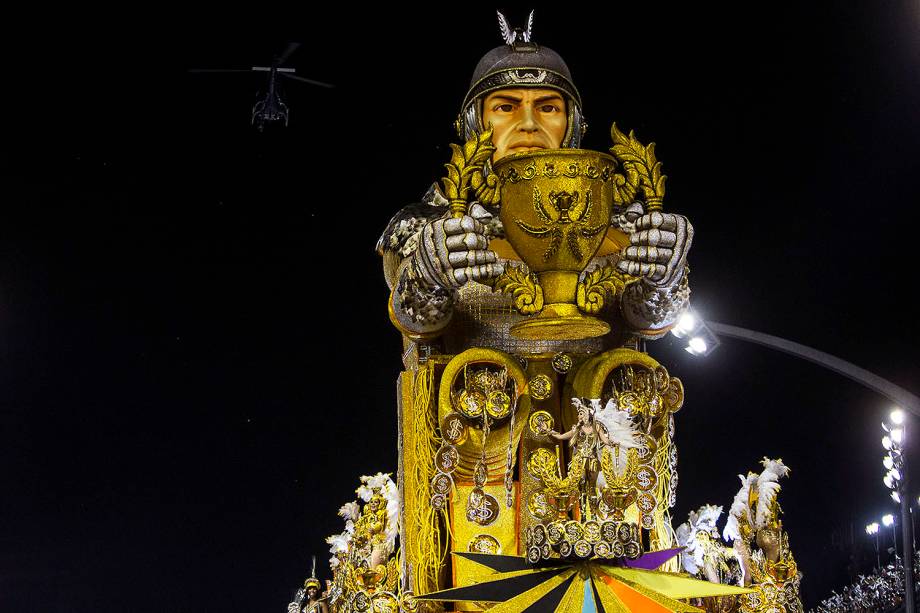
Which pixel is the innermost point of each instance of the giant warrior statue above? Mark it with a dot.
(535, 432)
(442, 271)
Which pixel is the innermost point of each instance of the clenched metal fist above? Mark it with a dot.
(658, 246)
(454, 251)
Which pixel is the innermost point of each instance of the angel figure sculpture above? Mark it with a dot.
(597, 431)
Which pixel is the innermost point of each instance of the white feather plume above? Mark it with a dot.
(391, 492)
(620, 428)
(339, 543)
(739, 508)
(767, 488)
(349, 511)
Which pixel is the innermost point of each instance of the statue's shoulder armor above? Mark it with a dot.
(400, 233)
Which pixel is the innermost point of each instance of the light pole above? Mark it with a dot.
(895, 461)
(888, 520)
(872, 529)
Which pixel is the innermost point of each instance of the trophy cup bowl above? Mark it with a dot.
(555, 207)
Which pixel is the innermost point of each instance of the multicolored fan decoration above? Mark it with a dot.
(596, 586)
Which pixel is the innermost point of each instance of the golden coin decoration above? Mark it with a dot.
(582, 549)
(573, 530)
(646, 478)
(447, 458)
(555, 533)
(480, 474)
(561, 363)
(592, 531)
(533, 554)
(646, 503)
(538, 535)
(482, 508)
(454, 429)
(441, 484)
(540, 387)
(484, 543)
(471, 404)
(383, 602)
(538, 506)
(498, 404)
(609, 531)
(647, 448)
(361, 602)
(540, 422)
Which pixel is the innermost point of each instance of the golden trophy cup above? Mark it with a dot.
(555, 207)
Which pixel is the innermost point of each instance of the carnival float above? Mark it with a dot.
(536, 462)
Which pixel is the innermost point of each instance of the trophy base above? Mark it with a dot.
(560, 322)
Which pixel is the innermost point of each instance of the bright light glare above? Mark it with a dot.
(872, 528)
(888, 520)
(696, 345)
(897, 435)
(896, 497)
(895, 474)
(887, 481)
(687, 322)
(897, 417)
(888, 462)
(886, 442)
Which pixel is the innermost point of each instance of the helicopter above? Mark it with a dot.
(271, 107)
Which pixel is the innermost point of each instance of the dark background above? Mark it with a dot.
(195, 358)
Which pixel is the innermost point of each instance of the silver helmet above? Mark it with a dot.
(520, 63)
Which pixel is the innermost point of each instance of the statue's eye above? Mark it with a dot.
(505, 108)
(549, 108)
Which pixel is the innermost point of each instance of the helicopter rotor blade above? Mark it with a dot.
(200, 70)
(291, 48)
(310, 81)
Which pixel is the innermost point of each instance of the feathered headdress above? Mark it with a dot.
(702, 520)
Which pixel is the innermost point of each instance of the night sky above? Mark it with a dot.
(196, 362)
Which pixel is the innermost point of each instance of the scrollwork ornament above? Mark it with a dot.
(599, 286)
(526, 293)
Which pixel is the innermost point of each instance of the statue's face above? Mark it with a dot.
(524, 120)
(312, 592)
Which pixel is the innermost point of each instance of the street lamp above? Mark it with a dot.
(872, 529)
(888, 521)
(699, 339)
